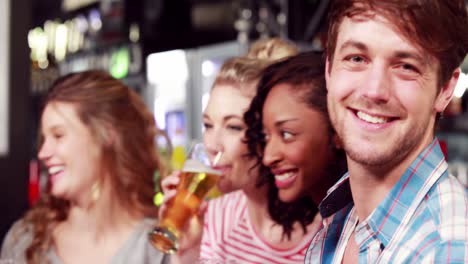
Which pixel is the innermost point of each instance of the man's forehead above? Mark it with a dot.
(359, 27)
(362, 40)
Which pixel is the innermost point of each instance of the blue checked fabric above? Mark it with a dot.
(424, 219)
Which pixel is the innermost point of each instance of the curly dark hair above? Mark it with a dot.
(305, 73)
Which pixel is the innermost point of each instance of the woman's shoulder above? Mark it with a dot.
(20, 230)
(17, 240)
(223, 212)
(138, 249)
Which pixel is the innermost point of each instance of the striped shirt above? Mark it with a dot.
(229, 237)
(423, 219)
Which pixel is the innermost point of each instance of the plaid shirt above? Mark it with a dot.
(424, 219)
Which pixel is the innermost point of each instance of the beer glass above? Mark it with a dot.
(196, 180)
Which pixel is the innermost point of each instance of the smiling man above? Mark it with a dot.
(391, 69)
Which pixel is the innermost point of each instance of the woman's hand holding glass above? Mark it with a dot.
(192, 231)
(185, 192)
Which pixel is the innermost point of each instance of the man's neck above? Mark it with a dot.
(368, 189)
(370, 185)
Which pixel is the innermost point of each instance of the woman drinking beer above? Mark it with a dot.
(98, 146)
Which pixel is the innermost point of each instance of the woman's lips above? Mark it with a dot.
(55, 177)
(285, 180)
(55, 172)
(223, 169)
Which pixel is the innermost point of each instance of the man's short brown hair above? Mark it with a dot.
(437, 26)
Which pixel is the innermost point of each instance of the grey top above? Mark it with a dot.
(136, 249)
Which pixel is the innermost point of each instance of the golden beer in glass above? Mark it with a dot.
(196, 180)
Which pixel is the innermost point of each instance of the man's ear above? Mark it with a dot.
(446, 92)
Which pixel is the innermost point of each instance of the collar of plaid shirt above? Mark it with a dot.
(389, 221)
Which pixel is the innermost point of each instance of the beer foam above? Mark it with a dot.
(196, 166)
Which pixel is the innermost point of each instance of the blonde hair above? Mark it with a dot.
(272, 49)
(244, 72)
